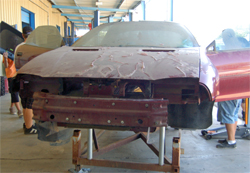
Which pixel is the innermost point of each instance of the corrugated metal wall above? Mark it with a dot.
(10, 12)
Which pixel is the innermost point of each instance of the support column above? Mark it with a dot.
(66, 33)
(130, 15)
(143, 10)
(96, 18)
(110, 19)
(170, 10)
(72, 29)
(72, 39)
(65, 29)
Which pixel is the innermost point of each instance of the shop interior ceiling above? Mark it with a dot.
(81, 12)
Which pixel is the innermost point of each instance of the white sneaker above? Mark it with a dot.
(20, 114)
(12, 111)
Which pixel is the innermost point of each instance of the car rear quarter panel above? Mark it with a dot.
(24, 53)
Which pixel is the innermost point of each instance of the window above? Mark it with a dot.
(28, 18)
(58, 27)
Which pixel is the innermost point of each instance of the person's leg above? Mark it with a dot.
(243, 106)
(15, 101)
(17, 106)
(231, 130)
(29, 128)
(229, 111)
(28, 115)
(12, 109)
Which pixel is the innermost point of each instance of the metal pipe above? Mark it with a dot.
(42, 9)
(161, 145)
(90, 135)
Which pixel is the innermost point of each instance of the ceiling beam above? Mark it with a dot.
(77, 6)
(119, 6)
(79, 20)
(83, 15)
(91, 8)
(78, 24)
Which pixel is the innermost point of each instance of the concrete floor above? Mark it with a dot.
(25, 153)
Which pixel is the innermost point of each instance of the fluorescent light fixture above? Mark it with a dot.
(98, 3)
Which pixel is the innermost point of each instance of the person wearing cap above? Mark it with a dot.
(228, 110)
(26, 98)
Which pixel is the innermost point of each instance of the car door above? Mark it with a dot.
(41, 40)
(9, 39)
(233, 65)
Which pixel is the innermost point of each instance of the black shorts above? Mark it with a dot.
(14, 95)
(26, 96)
(27, 102)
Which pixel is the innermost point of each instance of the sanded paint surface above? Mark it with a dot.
(107, 62)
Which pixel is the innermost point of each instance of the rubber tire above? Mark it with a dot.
(203, 132)
(208, 137)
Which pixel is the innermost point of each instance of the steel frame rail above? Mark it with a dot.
(80, 157)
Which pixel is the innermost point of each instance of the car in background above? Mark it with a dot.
(130, 76)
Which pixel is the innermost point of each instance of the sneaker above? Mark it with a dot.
(12, 111)
(20, 114)
(226, 145)
(24, 126)
(31, 130)
(221, 141)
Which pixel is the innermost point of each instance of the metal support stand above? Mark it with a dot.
(242, 131)
(164, 164)
(161, 145)
(90, 154)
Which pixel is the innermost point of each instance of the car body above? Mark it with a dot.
(129, 76)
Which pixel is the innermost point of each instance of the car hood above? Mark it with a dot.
(116, 62)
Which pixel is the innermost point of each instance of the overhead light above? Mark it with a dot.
(98, 3)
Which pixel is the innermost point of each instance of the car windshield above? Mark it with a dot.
(138, 34)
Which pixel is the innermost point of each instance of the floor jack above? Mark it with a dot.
(242, 131)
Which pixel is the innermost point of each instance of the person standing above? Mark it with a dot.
(10, 70)
(26, 96)
(228, 110)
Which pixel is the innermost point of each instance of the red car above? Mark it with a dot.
(130, 76)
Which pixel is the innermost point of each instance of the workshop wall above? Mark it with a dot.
(10, 12)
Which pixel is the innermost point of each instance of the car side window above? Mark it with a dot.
(230, 39)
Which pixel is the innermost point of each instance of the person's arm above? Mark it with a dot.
(5, 56)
